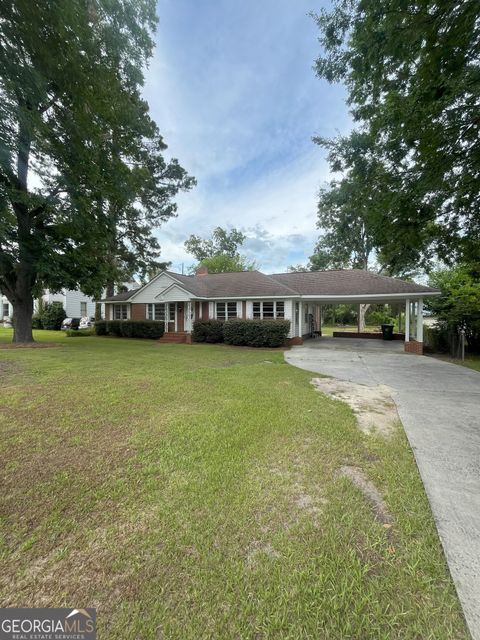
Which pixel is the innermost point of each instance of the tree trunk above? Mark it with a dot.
(25, 273)
(22, 319)
(98, 311)
(362, 310)
(110, 289)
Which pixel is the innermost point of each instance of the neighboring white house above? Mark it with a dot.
(6, 308)
(75, 303)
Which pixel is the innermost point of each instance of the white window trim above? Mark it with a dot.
(153, 305)
(121, 304)
(226, 303)
(274, 302)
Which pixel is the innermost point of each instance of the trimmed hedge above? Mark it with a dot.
(208, 331)
(149, 329)
(79, 333)
(256, 333)
(247, 333)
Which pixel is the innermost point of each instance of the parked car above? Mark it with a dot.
(70, 323)
(86, 322)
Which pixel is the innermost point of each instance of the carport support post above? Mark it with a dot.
(419, 334)
(407, 320)
(300, 318)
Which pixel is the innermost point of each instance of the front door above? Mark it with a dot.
(180, 316)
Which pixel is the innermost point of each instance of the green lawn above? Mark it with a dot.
(190, 493)
(471, 361)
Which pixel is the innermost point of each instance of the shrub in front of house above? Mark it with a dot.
(256, 333)
(101, 327)
(79, 333)
(52, 316)
(149, 329)
(210, 331)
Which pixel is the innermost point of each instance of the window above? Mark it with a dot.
(83, 309)
(226, 310)
(269, 310)
(156, 312)
(6, 309)
(120, 311)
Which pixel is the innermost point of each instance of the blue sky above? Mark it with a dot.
(232, 89)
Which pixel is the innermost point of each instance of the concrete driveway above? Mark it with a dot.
(439, 405)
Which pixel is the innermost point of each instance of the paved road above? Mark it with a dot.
(439, 405)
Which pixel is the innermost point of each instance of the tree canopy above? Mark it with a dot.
(220, 252)
(458, 306)
(412, 74)
(83, 180)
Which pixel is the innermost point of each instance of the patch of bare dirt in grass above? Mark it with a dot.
(370, 491)
(373, 406)
(91, 560)
(8, 366)
(29, 345)
(257, 549)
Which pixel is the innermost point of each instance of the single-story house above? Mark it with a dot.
(178, 300)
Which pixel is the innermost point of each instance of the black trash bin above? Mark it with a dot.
(387, 331)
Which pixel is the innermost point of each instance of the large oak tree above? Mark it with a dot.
(83, 180)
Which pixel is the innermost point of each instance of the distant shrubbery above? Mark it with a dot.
(438, 340)
(248, 333)
(37, 321)
(49, 316)
(130, 328)
(377, 318)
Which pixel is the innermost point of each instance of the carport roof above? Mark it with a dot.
(348, 282)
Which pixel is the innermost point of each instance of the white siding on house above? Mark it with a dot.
(173, 294)
(4, 303)
(153, 289)
(73, 300)
(290, 315)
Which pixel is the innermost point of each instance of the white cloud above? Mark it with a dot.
(232, 89)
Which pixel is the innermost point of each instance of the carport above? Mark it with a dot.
(355, 287)
(411, 332)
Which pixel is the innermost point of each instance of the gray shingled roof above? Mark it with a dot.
(121, 297)
(232, 285)
(347, 282)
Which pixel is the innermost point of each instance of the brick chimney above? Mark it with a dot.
(201, 271)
